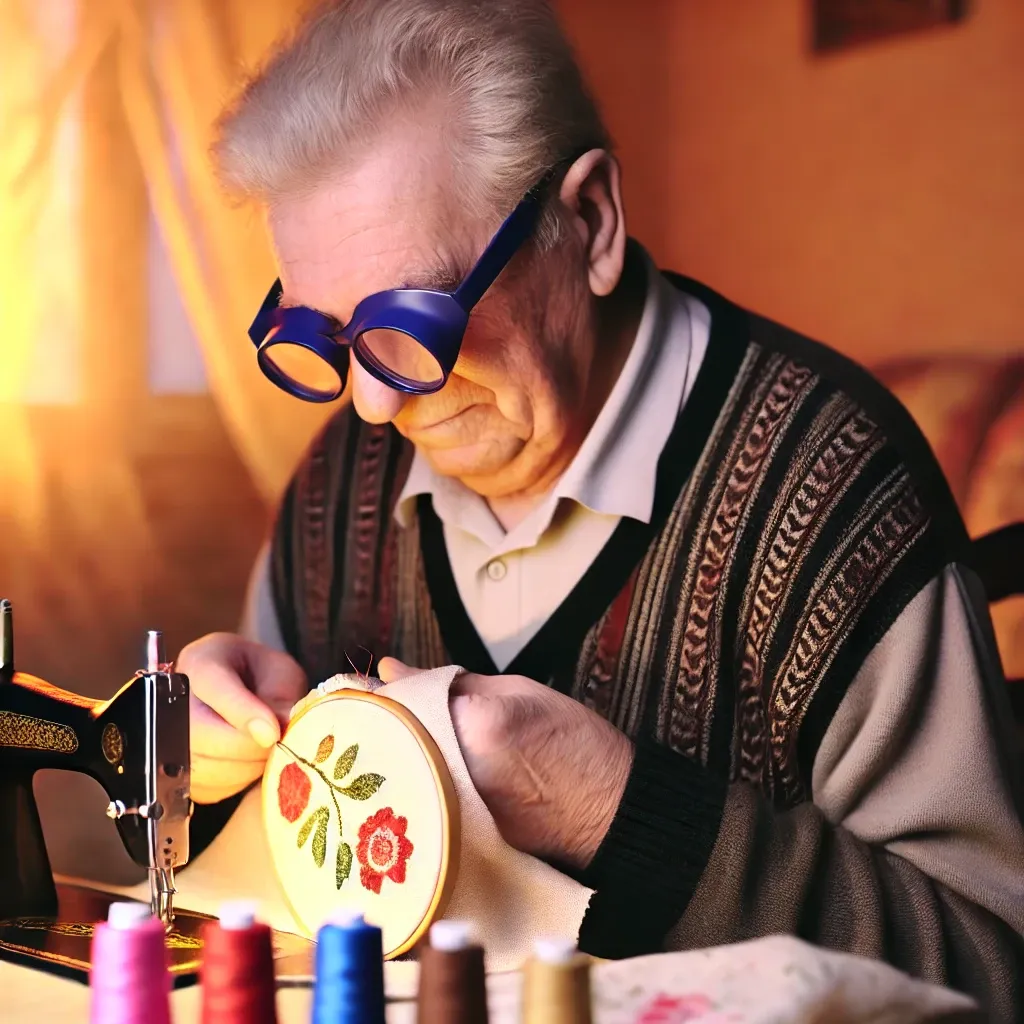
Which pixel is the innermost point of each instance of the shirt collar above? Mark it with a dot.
(615, 470)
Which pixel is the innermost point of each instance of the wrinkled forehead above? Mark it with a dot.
(392, 220)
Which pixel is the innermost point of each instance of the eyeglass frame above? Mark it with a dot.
(444, 314)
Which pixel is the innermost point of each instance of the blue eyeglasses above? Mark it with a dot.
(407, 338)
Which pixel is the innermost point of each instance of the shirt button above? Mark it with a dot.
(496, 570)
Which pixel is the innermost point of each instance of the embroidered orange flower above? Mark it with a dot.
(383, 849)
(293, 789)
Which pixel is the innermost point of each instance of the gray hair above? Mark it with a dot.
(518, 103)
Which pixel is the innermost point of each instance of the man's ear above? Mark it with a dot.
(592, 193)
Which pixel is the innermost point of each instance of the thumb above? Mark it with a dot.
(390, 670)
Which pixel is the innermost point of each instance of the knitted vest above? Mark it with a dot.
(797, 511)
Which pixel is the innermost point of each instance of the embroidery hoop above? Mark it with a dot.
(381, 727)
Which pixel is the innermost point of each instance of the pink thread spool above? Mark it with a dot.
(129, 979)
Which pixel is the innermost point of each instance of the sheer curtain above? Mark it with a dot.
(177, 62)
(106, 109)
(38, 280)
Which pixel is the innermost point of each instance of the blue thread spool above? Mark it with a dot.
(349, 985)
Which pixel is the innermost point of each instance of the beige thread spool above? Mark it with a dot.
(556, 985)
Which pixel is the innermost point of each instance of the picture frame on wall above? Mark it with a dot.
(840, 24)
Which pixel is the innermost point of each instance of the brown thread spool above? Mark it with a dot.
(453, 984)
(556, 985)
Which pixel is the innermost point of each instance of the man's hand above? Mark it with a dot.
(241, 695)
(550, 771)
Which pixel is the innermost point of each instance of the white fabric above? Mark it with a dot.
(761, 982)
(509, 897)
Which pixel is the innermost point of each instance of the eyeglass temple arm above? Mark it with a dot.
(515, 229)
(261, 324)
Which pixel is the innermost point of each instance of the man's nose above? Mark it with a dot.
(374, 402)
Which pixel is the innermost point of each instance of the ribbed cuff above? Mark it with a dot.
(648, 866)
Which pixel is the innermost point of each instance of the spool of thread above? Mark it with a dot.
(453, 986)
(237, 974)
(556, 984)
(129, 977)
(349, 985)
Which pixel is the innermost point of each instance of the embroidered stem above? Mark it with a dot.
(330, 785)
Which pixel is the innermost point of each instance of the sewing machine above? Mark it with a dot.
(136, 746)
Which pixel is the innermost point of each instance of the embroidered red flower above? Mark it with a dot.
(383, 849)
(293, 789)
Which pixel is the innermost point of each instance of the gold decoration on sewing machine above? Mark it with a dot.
(361, 814)
(29, 733)
(63, 944)
(112, 743)
(78, 930)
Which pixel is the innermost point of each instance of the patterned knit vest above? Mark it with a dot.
(797, 511)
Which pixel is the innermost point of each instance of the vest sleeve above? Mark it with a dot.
(911, 851)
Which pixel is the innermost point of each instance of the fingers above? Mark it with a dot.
(220, 688)
(224, 760)
(499, 686)
(241, 696)
(251, 687)
(211, 736)
(390, 670)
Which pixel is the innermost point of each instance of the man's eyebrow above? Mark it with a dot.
(440, 279)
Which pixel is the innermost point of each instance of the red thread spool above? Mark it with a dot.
(129, 978)
(238, 970)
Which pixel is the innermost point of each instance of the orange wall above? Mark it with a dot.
(874, 199)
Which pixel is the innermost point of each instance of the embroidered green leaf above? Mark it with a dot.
(324, 750)
(307, 827)
(318, 818)
(344, 865)
(364, 786)
(345, 761)
(320, 842)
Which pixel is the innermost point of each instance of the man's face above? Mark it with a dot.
(513, 407)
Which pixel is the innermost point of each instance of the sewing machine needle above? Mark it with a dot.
(155, 659)
(161, 895)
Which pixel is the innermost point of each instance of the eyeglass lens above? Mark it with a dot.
(304, 367)
(401, 356)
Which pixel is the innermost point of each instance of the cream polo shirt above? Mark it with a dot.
(511, 583)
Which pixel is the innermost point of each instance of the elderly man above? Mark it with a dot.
(724, 661)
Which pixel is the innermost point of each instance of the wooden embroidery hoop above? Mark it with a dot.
(433, 776)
